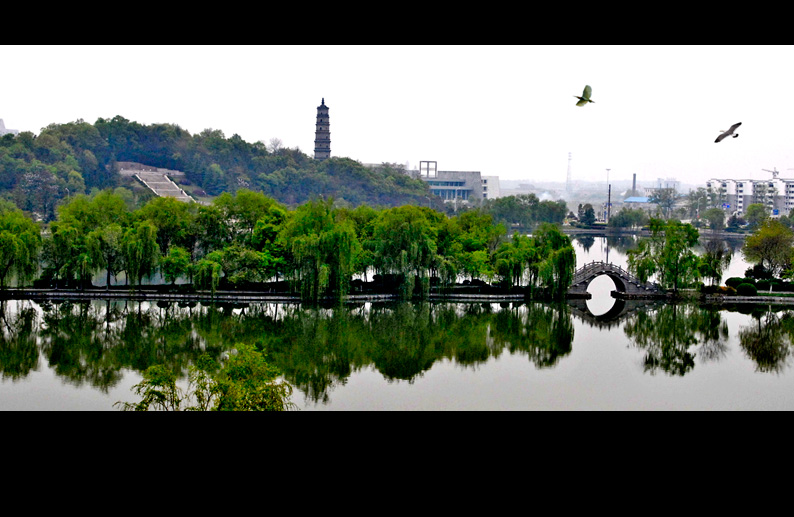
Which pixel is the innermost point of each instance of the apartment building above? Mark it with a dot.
(734, 195)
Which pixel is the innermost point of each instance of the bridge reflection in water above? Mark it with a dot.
(615, 315)
(630, 294)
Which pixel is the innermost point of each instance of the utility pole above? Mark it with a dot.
(609, 197)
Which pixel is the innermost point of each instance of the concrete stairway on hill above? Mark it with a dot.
(162, 186)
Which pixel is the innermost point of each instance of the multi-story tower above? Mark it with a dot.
(322, 135)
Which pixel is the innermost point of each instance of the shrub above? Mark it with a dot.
(734, 281)
(746, 289)
(762, 285)
(727, 290)
(784, 287)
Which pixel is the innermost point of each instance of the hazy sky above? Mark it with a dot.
(507, 111)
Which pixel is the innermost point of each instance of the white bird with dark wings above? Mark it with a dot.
(728, 132)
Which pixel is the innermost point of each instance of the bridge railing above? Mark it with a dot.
(587, 270)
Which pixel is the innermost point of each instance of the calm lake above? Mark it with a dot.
(420, 356)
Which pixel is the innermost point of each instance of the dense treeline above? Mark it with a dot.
(248, 239)
(38, 172)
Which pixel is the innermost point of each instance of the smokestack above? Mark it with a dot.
(634, 184)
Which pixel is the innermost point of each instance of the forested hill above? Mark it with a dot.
(36, 172)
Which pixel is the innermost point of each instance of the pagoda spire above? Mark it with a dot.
(322, 133)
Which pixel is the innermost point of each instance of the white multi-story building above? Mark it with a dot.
(777, 194)
(490, 187)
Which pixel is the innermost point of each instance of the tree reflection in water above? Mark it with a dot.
(768, 341)
(669, 333)
(318, 348)
(19, 353)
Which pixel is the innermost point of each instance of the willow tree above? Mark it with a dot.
(405, 245)
(323, 252)
(105, 249)
(667, 253)
(715, 258)
(557, 259)
(20, 243)
(60, 250)
(207, 275)
(513, 260)
(140, 250)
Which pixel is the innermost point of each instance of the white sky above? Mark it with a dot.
(507, 111)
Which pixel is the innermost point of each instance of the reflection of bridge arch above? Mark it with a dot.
(615, 315)
(625, 283)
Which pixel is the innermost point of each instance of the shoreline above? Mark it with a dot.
(258, 296)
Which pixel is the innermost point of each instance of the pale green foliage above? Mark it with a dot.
(405, 244)
(547, 259)
(770, 245)
(245, 382)
(141, 251)
(755, 214)
(207, 275)
(324, 252)
(20, 242)
(667, 253)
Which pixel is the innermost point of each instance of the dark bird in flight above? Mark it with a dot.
(729, 132)
(585, 98)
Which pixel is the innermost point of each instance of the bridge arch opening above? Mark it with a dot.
(601, 300)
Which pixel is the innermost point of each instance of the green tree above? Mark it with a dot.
(322, 251)
(514, 258)
(666, 253)
(628, 218)
(697, 201)
(60, 251)
(406, 245)
(174, 220)
(207, 274)
(20, 243)
(666, 199)
(519, 211)
(770, 246)
(557, 262)
(248, 383)
(715, 218)
(140, 250)
(245, 382)
(755, 215)
(105, 250)
(175, 263)
(587, 214)
(716, 257)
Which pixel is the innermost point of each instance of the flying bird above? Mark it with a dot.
(729, 132)
(585, 98)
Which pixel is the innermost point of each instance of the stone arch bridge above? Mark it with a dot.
(627, 285)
